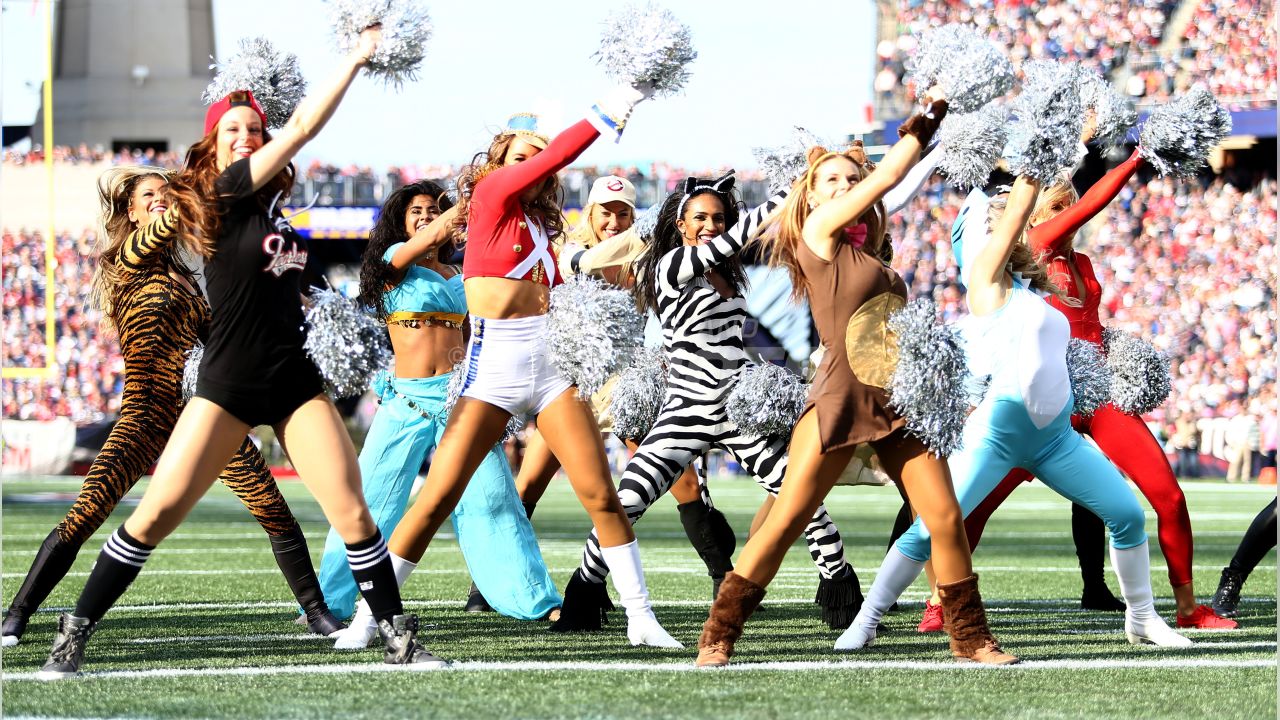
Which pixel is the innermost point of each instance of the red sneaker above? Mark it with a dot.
(1202, 617)
(932, 620)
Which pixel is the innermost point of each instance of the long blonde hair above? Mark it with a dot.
(115, 193)
(1022, 261)
(783, 231)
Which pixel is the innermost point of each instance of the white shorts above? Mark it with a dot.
(508, 365)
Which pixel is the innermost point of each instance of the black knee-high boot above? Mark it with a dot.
(709, 532)
(53, 560)
(1090, 536)
(294, 559)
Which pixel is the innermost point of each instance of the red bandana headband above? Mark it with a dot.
(235, 98)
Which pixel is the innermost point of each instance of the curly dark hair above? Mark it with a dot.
(545, 208)
(376, 274)
(667, 237)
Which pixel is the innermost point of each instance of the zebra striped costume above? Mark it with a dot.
(702, 340)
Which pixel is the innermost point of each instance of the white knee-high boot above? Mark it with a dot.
(628, 581)
(896, 574)
(1141, 621)
(364, 628)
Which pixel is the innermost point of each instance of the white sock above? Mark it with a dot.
(896, 574)
(1133, 568)
(628, 578)
(402, 568)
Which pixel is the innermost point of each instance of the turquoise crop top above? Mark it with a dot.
(424, 295)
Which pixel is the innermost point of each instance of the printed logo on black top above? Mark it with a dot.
(282, 259)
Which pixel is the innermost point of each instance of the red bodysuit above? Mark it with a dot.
(502, 241)
(1123, 438)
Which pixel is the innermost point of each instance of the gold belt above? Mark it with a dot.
(415, 318)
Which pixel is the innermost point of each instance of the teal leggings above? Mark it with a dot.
(1000, 436)
(493, 532)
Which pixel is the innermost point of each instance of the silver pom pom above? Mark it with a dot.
(646, 223)
(1113, 112)
(454, 390)
(781, 165)
(593, 331)
(406, 28)
(766, 400)
(1045, 134)
(347, 345)
(971, 69)
(646, 44)
(273, 77)
(1139, 372)
(638, 395)
(1090, 378)
(929, 386)
(971, 144)
(191, 371)
(1177, 137)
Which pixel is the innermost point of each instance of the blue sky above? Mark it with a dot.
(762, 67)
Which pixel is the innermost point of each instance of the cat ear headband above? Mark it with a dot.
(722, 185)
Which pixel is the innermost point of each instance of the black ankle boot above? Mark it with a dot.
(1227, 599)
(586, 605)
(839, 599)
(712, 538)
(476, 602)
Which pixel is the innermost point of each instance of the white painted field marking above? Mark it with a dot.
(1165, 663)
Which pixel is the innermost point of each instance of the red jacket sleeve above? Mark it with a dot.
(1051, 236)
(504, 184)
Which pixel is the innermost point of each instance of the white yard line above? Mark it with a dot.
(1162, 663)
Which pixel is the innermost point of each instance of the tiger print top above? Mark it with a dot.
(701, 329)
(158, 320)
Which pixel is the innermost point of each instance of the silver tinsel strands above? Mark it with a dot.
(1139, 372)
(929, 386)
(406, 29)
(346, 344)
(454, 390)
(1177, 137)
(766, 400)
(647, 222)
(638, 395)
(971, 144)
(191, 371)
(1113, 112)
(273, 78)
(971, 69)
(1090, 378)
(646, 44)
(1045, 134)
(593, 331)
(783, 164)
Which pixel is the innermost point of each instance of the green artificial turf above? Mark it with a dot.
(211, 603)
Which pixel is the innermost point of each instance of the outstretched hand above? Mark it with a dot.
(368, 43)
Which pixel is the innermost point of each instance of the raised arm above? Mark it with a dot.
(986, 289)
(146, 243)
(311, 114)
(505, 184)
(687, 262)
(425, 241)
(905, 191)
(822, 228)
(1054, 236)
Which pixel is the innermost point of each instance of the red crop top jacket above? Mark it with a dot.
(499, 236)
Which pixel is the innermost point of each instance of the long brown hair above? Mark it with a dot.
(1023, 262)
(784, 231)
(545, 208)
(194, 186)
(115, 193)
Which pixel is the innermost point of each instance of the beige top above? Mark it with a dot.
(619, 251)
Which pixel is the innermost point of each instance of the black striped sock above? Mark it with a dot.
(118, 564)
(371, 565)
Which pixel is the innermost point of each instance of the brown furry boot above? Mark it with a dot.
(738, 598)
(966, 620)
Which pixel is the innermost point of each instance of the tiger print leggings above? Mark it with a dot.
(147, 418)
